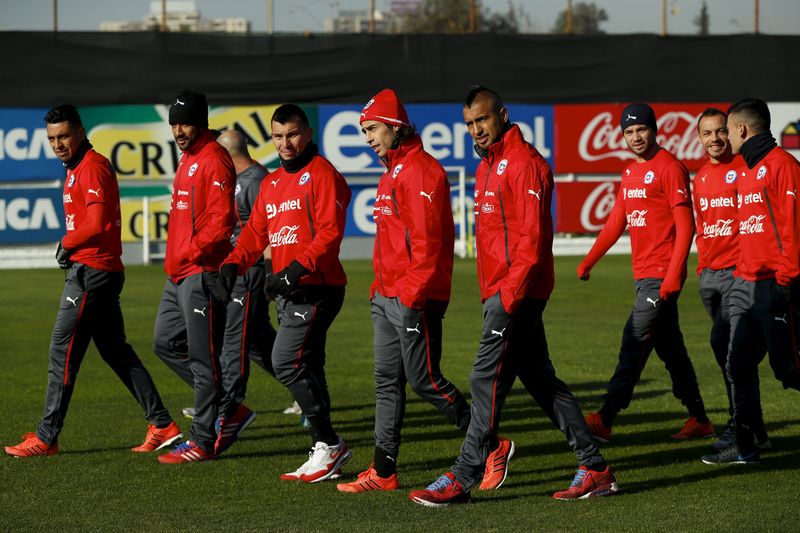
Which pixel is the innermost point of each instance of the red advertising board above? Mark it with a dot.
(584, 206)
(588, 139)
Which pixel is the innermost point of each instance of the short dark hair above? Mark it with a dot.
(711, 112)
(64, 113)
(480, 90)
(755, 113)
(287, 112)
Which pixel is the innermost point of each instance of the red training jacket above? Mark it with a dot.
(769, 219)
(300, 216)
(716, 216)
(650, 190)
(513, 225)
(93, 181)
(413, 254)
(202, 210)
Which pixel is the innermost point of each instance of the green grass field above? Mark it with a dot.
(96, 484)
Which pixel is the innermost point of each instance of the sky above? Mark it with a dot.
(625, 16)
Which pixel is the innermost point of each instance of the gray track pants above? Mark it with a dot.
(248, 334)
(89, 310)
(653, 323)
(298, 355)
(408, 348)
(762, 321)
(188, 335)
(511, 346)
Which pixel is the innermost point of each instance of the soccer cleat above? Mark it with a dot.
(497, 465)
(692, 429)
(369, 480)
(589, 484)
(185, 452)
(188, 412)
(158, 438)
(762, 442)
(731, 455)
(229, 429)
(598, 428)
(293, 409)
(324, 462)
(32, 446)
(442, 492)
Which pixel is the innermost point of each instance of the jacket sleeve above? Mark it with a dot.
(219, 182)
(330, 196)
(530, 194)
(786, 187)
(702, 249)
(254, 237)
(424, 197)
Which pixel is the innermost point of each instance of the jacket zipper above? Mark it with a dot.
(408, 234)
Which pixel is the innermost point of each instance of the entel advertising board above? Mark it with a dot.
(588, 139)
(441, 127)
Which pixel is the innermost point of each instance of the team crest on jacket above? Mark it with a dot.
(304, 178)
(192, 169)
(649, 177)
(730, 177)
(396, 171)
(501, 166)
(71, 181)
(762, 171)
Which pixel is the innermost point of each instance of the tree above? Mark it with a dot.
(452, 16)
(702, 20)
(586, 19)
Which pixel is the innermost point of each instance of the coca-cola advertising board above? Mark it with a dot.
(584, 206)
(588, 139)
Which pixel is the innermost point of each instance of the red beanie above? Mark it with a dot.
(385, 107)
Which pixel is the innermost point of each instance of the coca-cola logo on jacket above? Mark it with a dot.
(589, 139)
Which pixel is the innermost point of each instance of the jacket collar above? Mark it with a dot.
(200, 143)
(404, 149)
(293, 165)
(84, 147)
(512, 136)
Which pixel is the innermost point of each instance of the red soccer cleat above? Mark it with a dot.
(589, 484)
(158, 438)
(692, 429)
(229, 429)
(31, 446)
(369, 480)
(497, 465)
(185, 452)
(442, 492)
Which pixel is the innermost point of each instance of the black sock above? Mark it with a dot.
(597, 467)
(385, 463)
(164, 426)
(322, 430)
(607, 414)
(698, 410)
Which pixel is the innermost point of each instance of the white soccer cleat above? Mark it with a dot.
(293, 409)
(324, 462)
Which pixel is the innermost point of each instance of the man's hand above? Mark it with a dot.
(62, 257)
(670, 288)
(267, 277)
(584, 271)
(287, 280)
(225, 282)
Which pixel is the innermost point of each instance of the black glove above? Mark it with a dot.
(287, 280)
(225, 282)
(62, 257)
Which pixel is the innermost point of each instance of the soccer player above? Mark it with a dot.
(714, 200)
(654, 203)
(300, 213)
(190, 323)
(514, 235)
(764, 296)
(89, 309)
(413, 264)
(248, 331)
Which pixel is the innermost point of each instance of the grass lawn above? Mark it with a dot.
(96, 484)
